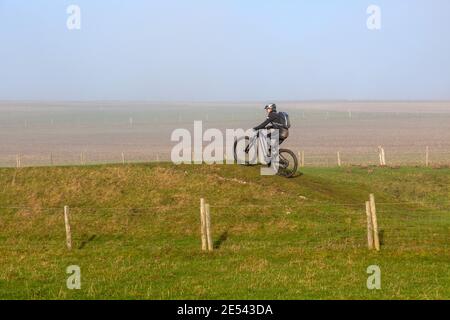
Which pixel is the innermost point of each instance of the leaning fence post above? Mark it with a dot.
(369, 226)
(208, 228)
(203, 224)
(68, 233)
(373, 212)
(382, 156)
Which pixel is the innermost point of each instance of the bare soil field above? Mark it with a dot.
(58, 132)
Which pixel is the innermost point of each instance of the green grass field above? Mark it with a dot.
(136, 233)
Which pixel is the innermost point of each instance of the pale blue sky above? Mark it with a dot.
(224, 50)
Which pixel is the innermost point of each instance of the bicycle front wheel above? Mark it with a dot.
(242, 157)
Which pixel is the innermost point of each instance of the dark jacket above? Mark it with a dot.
(275, 121)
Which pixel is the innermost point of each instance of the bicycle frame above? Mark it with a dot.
(269, 154)
(264, 145)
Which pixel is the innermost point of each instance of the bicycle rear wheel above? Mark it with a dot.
(288, 163)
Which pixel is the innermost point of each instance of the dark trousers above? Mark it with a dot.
(283, 135)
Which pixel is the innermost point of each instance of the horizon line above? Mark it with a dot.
(223, 101)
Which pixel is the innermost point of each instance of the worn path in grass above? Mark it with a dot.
(136, 232)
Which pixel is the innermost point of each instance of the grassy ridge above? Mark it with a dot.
(136, 232)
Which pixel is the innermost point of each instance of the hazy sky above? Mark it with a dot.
(224, 50)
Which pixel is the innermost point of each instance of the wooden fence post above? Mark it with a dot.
(369, 226)
(51, 158)
(68, 232)
(380, 156)
(123, 158)
(301, 158)
(373, 212)
(208, 228)
(203, 224)
(427, 157)
(18, 164)
(339, 158)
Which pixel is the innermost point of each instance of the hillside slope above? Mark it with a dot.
(136, 232)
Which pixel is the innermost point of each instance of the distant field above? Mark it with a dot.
(136, 232)
(59, 132)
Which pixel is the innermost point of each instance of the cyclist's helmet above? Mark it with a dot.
(272, 106)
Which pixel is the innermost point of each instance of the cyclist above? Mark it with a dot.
(274, 120)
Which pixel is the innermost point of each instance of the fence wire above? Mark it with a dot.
(312, 158)
(309, 225)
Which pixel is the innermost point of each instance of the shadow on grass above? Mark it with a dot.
(298, 174)
(381, 236)
(223, 237)
(85, 242)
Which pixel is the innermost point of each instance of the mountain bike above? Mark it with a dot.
(288, 162)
